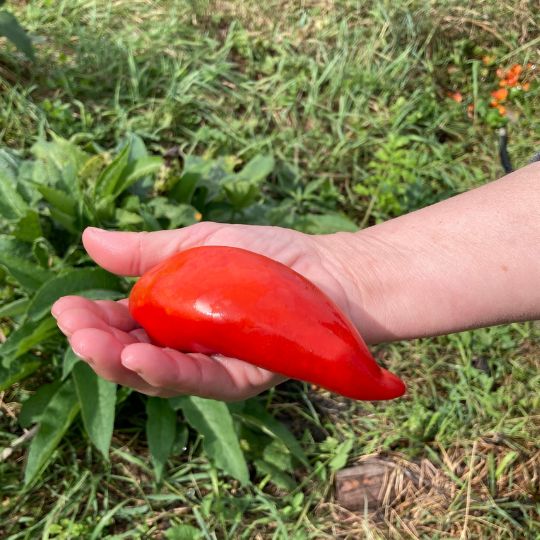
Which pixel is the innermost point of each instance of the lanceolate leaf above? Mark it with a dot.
(12, 205)
(33, 407)
(15, 257)
(72, 282)
(17, 307)
(136, 170)
(28, 227)
(26, 337)
(13, 372)
(59, 200)
(58, 165)
(55, 421)
(160, 432)
(213, 421)
(113, 174)
(69, 360)
(253, 413)
(257, 169)
(10, 28)
(97, 398)
(328, 223)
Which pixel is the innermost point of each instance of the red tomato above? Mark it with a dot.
(244, 305)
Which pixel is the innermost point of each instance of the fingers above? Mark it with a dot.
(132, 253)
(196, 374)
(73, 312)
(102, 351)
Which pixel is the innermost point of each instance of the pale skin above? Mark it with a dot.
(470, 261)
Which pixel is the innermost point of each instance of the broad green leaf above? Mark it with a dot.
(67, 221)
(341, 455)
(25, 184)
(241, 193)
(33, 407)
(277, 476)
(9, 165)
(253, 413)
(10, 28)
(13, 372)
(183, 190)
(101, 294)
(243, 189)
(59, 162)
(125, 218)
(15, 308)
(135, 171)
(12, 205)
(328, 223)
(257, 169)
(59, 200)
(183, 532)
(180, 440)
(68, 361)
(15, 257)
(178, 215)
(112, 176)
(30, 334)
(73, 282)
(160, 432)
(28, 228)
(105, 208)
(97, 398)
(43, 251)
(213, 421)
(273, 453)
(137, 147)
(55, 421)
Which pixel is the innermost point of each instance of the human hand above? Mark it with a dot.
(103, 334)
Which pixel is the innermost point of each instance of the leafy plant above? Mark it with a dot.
(45, 203)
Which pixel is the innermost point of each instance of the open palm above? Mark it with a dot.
(103, 333)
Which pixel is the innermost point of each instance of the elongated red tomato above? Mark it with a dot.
(225, 300)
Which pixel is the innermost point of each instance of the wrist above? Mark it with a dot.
(367, 270)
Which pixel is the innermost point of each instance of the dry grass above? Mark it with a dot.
(452, 499)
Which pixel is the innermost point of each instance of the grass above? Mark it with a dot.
(350, 92)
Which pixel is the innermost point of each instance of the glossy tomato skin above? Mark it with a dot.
(216, 299)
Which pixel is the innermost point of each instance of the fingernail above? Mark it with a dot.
(129, 363)
(81, 355)
(63, 330)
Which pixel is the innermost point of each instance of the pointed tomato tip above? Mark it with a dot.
(391, 386)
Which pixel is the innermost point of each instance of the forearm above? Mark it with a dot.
(470, 261)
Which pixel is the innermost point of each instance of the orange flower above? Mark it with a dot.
(503, 83)
(500, 95)
(493, 103)
(502, 110)
(525, 86)
(456, 96)
(512, 80)
(487, 60)
(470, 110)
(515, 70)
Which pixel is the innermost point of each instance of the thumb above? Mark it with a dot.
(133, 253)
